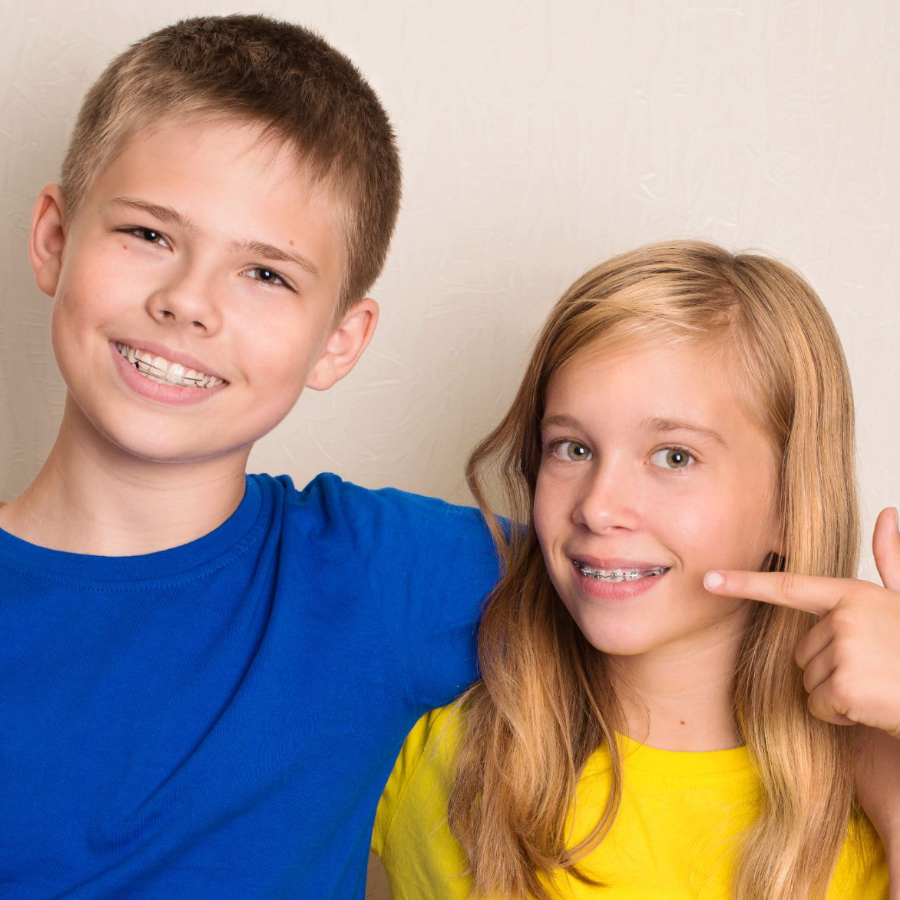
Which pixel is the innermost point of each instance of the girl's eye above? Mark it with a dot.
(570, 451)
(267, 276)
(672, 458)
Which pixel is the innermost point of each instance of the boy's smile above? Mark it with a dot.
(165, 371)
(160, 379)
(196, 292)
(651, 474)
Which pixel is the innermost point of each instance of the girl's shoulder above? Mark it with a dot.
(424, 768)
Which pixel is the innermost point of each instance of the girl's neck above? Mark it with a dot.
(91, 497)
(679, 697)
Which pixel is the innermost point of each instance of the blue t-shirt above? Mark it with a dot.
(218, 720)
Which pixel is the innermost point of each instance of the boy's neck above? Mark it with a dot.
(680, 697)
(92, 498)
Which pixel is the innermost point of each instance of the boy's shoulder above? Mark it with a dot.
(421, 539)
(339, 501)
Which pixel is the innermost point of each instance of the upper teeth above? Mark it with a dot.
(157, 368)
(614, 575)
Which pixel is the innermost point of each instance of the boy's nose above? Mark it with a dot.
(186, 303)
(608, 501)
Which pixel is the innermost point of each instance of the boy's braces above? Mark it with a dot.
(147, 368)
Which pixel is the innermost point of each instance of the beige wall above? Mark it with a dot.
(538, 138)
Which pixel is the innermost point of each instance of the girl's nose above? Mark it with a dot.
(608, 500)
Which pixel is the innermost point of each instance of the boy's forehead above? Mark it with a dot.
(198, 140)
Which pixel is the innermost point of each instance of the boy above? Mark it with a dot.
(207, 677)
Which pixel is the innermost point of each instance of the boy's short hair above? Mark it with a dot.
(281, 75)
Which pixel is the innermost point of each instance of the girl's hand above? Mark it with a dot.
(851, 666)
(851, 657)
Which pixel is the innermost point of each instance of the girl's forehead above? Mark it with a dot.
(698, 380)
(672, 360)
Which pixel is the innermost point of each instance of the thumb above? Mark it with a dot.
(886, 547)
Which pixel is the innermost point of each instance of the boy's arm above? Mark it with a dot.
(453, 567)
(424, 568)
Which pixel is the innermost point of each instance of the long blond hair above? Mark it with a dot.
(546, 703)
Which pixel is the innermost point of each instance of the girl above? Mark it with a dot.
(635, 736)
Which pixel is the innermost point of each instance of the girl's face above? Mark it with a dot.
(652, 473)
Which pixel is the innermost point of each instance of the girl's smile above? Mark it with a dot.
(652, 472)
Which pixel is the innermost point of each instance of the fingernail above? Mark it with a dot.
(896, 519)
(712, 580)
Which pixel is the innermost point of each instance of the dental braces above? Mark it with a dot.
(148, 368)
(619, 575)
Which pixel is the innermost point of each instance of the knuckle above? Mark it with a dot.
(843, 691)
(844, 618)
(788, 585)
(816, 705)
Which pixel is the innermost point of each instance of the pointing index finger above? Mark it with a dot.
(810, 593)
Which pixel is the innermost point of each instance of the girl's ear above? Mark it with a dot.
(345, 346)
(45, 245)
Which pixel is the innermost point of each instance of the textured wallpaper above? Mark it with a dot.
(538, 138)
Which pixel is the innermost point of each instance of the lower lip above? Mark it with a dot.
(617, 590)
(170, 394)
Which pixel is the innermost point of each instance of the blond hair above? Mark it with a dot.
(278, 75)
(546, 702)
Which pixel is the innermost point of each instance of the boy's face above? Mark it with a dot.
(196, 291)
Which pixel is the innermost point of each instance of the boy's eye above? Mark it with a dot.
(571, 451)
(149, 235)
(672, 458)
(267, 276)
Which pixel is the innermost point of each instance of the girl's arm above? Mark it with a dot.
(878, 788)
(851, 666)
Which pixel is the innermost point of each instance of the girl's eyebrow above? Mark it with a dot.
(560, 421)
(661, 425)
(656, 424)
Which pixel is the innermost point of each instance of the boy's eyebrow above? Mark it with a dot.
(659, 424)
(173, 217)
(163, 213)
(270, 251)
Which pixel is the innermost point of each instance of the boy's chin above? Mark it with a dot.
(163, 454)
(163, 446)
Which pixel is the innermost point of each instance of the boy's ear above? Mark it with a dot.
(345, 346)
(45, 245)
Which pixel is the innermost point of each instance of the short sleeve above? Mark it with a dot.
(412, 836)
(427, 567)
(407, 762)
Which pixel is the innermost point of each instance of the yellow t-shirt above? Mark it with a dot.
(674, 837)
